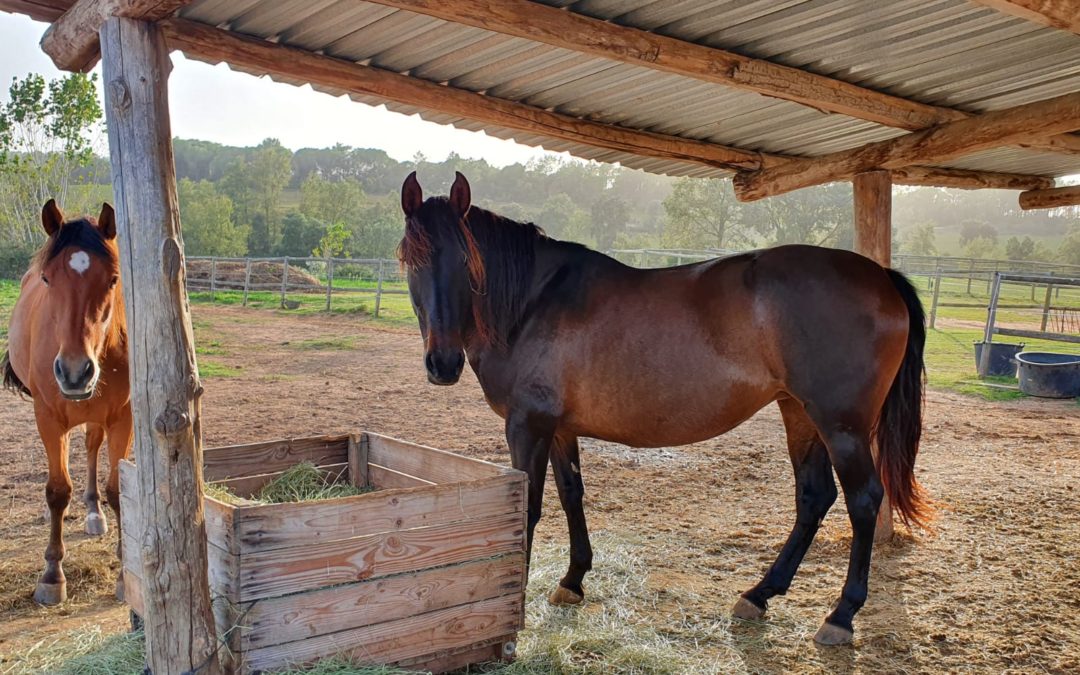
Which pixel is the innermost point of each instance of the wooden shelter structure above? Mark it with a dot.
(780, 94)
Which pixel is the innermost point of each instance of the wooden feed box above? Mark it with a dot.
(426, 572)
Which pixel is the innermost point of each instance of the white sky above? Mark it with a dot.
(216, 104)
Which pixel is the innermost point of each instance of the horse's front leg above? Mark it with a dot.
(96, 523)
(120, 438)
(566, 465)
(530, 445)
(52, 587)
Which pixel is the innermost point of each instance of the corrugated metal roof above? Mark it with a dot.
(944, 52)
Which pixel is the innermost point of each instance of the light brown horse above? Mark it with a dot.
(67, 349)
(567, 342)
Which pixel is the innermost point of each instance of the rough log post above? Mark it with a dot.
(1053, 198)
(934, 302)
(378, 290)
(247, 279)
(873, 239)
(165, 387)
(329, 281)
(213, 279)
(284, 279)
(1046, 306)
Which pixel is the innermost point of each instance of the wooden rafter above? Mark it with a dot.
(1063, 14)
(569, 30)
(1053, 198)
(965, 179)
(938, 144)
(72, 40)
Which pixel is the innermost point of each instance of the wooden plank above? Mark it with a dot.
(310, 566)
(273, 526)
(72, 40)
(452, 660)
(1050, 199)
(1062, 14)
(234, 461)
(275, 621)
(1038, 335)
(394, 641)
(165, 389)
(248, 486)
(223, 568)
(937, 144)
(385, 478)
(133, 591)
(358, 461)
(437, 466)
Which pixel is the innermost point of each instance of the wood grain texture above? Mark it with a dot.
(72, 40)
(220, 524)
(1050, 199)
(273, 526)
(358, 459)
(873, 216)
(452, 660)
(304, 568)
(942, 143)
(251, 459)
(1062, 14)
(384, 478)
(223, 568)
(408, 638)
(165, 386)
(273, 621)
(964, 179)
(437, 466)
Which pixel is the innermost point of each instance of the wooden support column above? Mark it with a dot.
(165, 385)
(873, 239)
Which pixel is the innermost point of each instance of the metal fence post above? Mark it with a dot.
(937, 290)
(284, 278)
(988, 336)
(378, 289)
(213, 278)
(247, 279)
(329, 281)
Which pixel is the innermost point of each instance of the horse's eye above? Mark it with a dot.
(45, 279)
(114, 281)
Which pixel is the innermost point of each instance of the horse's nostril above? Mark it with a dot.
(429, 362)
(88, 367)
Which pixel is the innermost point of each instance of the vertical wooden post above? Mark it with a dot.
(378, 289)
(988, 335)
(213, 278)
(873, 239)
(284, 278)
(247, 279)
(1046, 305)
(971, 273)
(329, 281)
(937, 291)
(165, 387)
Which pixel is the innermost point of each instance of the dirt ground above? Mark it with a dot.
(996, 586)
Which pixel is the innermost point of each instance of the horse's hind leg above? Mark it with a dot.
(849, 449)
(52, 587)
(566, 466)
(96, 524)
(815, 492)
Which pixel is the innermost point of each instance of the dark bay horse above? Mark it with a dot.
(67, 349)
(567, 342)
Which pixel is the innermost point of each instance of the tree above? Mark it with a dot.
(919, 240)
(609, 216)
(332, 201)
(379, 229)
(333, 243)
(1015, 249)
(562, 219)
(970, 230)
(703, 213)
(206, 218)
(300, 235)
(45, 138)
(819, 215)
(983, 246)
(1069, 250)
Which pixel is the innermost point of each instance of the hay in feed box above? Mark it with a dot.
(303, 482)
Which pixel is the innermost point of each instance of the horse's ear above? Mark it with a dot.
(460, 195)
(106, 222)
(51, 217)
(411, 195)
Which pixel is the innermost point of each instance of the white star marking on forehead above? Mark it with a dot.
(80, 261)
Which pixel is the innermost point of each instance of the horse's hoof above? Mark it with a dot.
(746, 610)
(96, 525)
(565, 596)
(50, 594)
(832, 635)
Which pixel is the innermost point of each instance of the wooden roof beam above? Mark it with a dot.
(1063, 14)
(72, 40)
(1054, 198)
(577, 32)
(937, 144)
(965, 179)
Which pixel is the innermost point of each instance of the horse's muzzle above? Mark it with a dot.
(444, 368)
(76, 380)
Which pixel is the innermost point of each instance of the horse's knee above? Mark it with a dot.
(58, 495)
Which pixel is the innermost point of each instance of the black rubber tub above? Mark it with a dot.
(1002, 355)
(1049, 375)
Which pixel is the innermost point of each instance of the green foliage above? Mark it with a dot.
(332, 201)
(609, 216)
(820, 215)
(206, 218)
(1069, 251)
(981, 247)
(332, 244)
(45, 149)
(255, 183)
(703, 213)
(919, 240)
(300, 235)
(970, 230)
(561, 218)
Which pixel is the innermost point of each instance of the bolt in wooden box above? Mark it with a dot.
(428, 571)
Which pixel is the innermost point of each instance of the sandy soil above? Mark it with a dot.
(996, 586)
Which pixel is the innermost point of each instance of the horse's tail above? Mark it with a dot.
(11, 380)
(900, 426)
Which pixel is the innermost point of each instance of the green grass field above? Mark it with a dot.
(950, 362)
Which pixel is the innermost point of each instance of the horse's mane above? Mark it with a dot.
(83, 233)
(500, 254)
